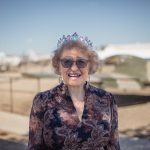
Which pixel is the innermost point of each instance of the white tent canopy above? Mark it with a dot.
(139, 50)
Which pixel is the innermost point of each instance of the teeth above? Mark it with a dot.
(73, 75)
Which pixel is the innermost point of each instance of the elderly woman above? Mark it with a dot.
(74, 115)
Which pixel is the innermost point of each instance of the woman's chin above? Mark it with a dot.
(74, 83)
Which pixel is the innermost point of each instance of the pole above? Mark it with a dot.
(11, 94)
(38, 84)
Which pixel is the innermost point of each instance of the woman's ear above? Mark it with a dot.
(89, 69)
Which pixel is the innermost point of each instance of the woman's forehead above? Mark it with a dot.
(74, 53)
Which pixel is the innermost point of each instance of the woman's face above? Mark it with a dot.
(74, 67)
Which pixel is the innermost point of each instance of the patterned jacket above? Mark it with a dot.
(54, 124)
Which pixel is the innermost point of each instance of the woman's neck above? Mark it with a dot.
(76, 92)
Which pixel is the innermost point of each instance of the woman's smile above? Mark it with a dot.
(74, 76)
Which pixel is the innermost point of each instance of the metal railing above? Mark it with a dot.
(7, 86)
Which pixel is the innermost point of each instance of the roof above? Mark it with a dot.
(141, 50)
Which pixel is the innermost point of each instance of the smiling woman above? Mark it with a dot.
(74, 115)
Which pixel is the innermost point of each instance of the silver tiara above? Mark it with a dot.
(74, 37)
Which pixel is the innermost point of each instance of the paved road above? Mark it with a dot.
(126, 144)
(9, 145)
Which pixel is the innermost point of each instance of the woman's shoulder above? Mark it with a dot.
(45, 96)
(103, 96)
(41, 98)
(101, 92)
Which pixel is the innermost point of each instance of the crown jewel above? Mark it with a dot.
(74, 37)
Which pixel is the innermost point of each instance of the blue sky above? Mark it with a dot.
(38, 24)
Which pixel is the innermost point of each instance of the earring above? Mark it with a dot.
(89, 79)
(60, 79)
(88, 82)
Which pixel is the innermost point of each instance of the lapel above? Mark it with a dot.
(65, 104)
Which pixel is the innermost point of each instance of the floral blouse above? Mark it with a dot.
(54, 123)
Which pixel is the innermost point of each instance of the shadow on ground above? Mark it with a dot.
(127, 100)
(11, 145)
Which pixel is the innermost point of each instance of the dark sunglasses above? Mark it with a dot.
(68, 62)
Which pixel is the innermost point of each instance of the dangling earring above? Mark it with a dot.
(89, 79)
(88, 82)
(60, 79)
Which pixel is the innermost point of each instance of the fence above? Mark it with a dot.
(16, 93)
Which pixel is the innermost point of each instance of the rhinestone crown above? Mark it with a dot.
(74, 37)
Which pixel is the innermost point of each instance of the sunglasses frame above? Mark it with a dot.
(74, 61)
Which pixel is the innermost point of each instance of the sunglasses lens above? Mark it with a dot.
(66, 63)
(81, 63)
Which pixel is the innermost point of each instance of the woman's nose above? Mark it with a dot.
(74, 66)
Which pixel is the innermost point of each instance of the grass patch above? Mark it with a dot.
(134, 67)
(108, 82)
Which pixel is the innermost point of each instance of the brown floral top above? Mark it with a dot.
(54, 123)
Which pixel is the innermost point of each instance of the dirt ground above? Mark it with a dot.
(135, 120)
